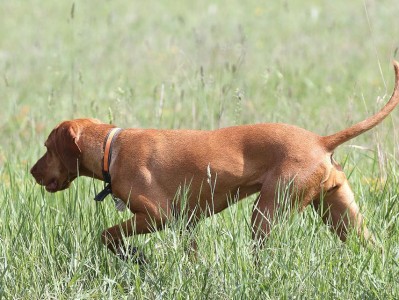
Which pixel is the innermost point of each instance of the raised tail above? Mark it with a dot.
(336, 139)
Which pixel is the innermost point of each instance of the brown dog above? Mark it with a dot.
(149, 166)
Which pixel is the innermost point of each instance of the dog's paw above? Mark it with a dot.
(132, 254)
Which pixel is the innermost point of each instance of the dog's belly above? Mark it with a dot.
(210, 202)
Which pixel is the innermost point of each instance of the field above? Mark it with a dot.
(321, 65)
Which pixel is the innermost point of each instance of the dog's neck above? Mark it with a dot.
(92, 141)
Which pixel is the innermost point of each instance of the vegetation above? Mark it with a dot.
(321, 65)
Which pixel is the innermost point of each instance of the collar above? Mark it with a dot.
(108, 143)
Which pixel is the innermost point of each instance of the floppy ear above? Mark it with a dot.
(66, 138)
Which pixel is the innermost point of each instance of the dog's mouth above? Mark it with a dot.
(53, 186)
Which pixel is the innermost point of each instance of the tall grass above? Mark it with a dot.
(50, 249)
(195, 65)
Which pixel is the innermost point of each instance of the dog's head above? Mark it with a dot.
(59, 165)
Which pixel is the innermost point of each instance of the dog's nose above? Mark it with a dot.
(33, 170)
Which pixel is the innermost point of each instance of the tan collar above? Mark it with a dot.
(108, 142)
(107, 148)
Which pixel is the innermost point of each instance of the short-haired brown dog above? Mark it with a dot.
(148, 166)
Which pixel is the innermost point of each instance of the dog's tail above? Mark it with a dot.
(332, 141)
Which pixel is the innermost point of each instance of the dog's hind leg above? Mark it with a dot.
(338, 208)
(263, 213)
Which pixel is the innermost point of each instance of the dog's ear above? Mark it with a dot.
(66, 137)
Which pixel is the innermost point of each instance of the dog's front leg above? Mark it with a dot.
(140, 223)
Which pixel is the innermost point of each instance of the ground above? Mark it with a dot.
(321, 65)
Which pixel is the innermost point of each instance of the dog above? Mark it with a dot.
(147, 167)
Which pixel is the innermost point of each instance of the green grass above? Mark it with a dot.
(195, 64)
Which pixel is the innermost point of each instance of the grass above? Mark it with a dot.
(196, 64)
